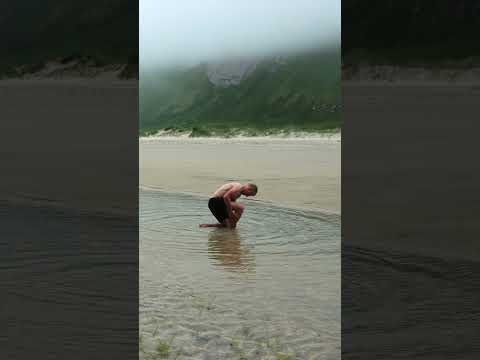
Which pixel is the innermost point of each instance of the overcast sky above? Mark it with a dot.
(190, 31)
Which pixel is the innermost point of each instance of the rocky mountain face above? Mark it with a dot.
(232, 72)
(229, 73)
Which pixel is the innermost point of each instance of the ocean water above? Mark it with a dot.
(269, 288)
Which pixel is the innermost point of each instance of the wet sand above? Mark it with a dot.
(414, 127)
(297, 172)
(71, 143)
(410, 221)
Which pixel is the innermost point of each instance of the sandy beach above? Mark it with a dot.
(92, 164)
(294, 172)
(403, 120)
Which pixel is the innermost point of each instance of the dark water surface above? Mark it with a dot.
(268, 288)
(407, 302)
(57, 269)
(410, 209)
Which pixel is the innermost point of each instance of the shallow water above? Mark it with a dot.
(268, 288)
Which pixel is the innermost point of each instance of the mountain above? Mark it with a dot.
(295, 92)
(35, 32)
(410, 32)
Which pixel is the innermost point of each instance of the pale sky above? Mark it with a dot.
(191, 31)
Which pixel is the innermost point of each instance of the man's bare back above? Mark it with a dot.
(222, 190)
(223, 203)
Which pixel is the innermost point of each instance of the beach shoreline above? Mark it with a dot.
(331, 136)
(272, 203)
(299, 173)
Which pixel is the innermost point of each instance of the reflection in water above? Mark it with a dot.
(226, 249)
(269, 287)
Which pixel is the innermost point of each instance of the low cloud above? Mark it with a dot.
(184, 32)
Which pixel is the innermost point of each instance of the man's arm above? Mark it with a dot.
(227, 197)
(228, 204)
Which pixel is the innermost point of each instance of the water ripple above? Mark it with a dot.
(271, 286)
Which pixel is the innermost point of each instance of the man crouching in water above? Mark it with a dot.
(223, 204)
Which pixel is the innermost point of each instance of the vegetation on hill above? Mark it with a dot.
(300, 93)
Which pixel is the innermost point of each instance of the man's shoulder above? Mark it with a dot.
(236, 186)
(232, 184)
(229, 186)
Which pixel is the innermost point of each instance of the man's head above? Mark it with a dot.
(250, 190)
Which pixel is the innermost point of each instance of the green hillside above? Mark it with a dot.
(301, 94)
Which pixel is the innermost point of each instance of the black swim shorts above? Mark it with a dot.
(218, 208)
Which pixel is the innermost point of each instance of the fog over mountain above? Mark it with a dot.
(185, 32)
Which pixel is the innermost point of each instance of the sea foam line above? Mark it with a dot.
(293, 136)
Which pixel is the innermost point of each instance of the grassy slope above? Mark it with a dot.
(282, 99)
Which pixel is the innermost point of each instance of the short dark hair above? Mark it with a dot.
(254, 188)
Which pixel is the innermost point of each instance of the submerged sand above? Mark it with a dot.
(269, 289)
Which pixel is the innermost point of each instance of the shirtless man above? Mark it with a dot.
(223, 204)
